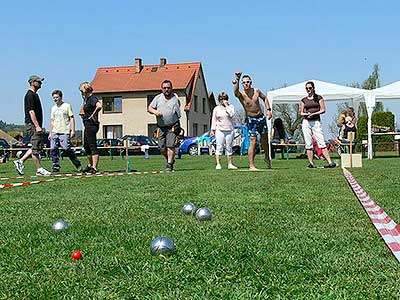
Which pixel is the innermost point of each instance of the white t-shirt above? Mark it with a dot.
(60, 116)
(170, 109)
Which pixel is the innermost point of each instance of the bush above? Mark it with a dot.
(380, 119)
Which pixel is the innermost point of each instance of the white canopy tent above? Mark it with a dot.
(390, 92)
(329, 91)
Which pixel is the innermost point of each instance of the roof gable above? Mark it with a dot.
(125, 79)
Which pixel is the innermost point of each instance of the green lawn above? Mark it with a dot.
(286, 233)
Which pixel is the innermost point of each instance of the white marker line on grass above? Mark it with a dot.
(76, 176)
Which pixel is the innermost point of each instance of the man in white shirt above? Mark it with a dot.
(62, 129)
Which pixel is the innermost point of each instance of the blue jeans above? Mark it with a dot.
(64, 141)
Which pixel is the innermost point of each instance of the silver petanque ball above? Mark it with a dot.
(189, 208)
(162, 245)
(203, 214)
(59, 225)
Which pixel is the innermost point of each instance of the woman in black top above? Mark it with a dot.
(311, 107)
(89, 113)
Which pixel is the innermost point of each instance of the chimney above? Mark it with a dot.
(138, 65)
(163, 62)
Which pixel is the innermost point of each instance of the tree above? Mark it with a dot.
(290, 115)
(372, 82)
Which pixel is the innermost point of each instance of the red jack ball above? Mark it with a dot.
(76, 255)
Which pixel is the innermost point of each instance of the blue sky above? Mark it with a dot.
(276, 42)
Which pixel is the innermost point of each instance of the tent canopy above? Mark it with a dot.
(387, 92)
(329, 91)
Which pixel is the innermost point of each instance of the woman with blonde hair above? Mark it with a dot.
(89, 113)
(223, 127)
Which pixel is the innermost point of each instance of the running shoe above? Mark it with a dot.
(19, 166)
(331, 165)
(42, 172)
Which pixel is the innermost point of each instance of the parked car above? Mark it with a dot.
(190, 144)
(103, 151)
(4, 154)
(141, 140)
(4, 144)
(104, 143)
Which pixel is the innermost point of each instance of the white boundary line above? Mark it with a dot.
(67, 176)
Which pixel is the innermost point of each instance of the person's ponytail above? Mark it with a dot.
(316, 97)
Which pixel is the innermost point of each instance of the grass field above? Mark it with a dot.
(286, 233)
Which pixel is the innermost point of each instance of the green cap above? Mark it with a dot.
(35, 78)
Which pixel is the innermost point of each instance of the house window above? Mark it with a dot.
(195, 103)
(204, 105)
(112, 131)
(149, 99)
(205, 128)
(112, 104)
(195, 129)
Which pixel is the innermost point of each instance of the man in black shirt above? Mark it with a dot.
(34, 122)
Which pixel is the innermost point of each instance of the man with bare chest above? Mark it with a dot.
(255, 119)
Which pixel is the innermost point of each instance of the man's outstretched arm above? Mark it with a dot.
(238, 74)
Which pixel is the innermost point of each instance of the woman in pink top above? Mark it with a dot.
(223, 127)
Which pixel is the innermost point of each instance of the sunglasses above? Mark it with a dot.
(245, 82)
(309, 88)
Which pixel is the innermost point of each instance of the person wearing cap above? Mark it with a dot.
(34, 122)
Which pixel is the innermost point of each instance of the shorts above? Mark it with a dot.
(167, 136)
(313, 128)
(36, 139)
(257, 125)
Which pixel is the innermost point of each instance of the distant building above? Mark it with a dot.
(127, 91)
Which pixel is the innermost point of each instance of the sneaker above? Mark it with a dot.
(310, 166)
(232, 167)
(55, 170)
(42, 172)
(79, 169)
(87, 169)
(331, 165)
(268, 162)
(94, 171)
(218, 167)
(169, 168)
(19, 166)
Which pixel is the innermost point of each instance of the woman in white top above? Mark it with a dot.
(223, 127)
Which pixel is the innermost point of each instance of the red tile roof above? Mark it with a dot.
(125, 79)
(184, 76)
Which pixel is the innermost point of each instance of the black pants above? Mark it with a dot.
(89, 140)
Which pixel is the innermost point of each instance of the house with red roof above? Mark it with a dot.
(126, 92)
